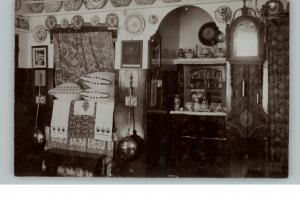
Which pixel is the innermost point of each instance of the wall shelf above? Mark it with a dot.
(199, 61)
(199, 113)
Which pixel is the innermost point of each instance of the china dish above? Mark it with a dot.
(135, 23)
(153, 19)
(50, 22)
(223, 14)
(53, 6)
(35, 7)
(120, 3)
(40, 33)
(72, 5)
(95, 4)
(77, 22)
(112, 20)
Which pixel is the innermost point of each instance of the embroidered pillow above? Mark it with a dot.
(67, 91)
(96, 95)
(99, 80)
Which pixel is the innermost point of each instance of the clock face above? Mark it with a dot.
(208, 34)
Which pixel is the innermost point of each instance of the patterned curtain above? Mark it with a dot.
(77, 54)
(278, 56)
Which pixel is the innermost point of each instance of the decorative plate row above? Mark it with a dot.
(74, 5)
(134, 23)
(77, 22)
(40, 31)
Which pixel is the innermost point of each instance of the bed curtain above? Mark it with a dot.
(77, 54)
(278, 57)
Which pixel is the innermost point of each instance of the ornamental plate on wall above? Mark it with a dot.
(144, 2)
(94, 20)
(153, 19)
(35, 7)
(223, 14)
(53, 6)
(95, 4)
(72, 5)
(18, 4)
(64, 23)
(120, 3)
(50, 22)
(135, 23)
(112, 20)
(77, 22)
(40, 33)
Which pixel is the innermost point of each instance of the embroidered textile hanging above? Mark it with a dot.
(278, 56)
(80, 53)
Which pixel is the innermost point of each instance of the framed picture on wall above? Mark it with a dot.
(132, 54)
(39, 56)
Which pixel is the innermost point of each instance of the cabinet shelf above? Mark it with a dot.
(200, 61)
(214, 88)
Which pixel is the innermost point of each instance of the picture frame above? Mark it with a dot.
(132, 54)
(39, 56)
(155, 51)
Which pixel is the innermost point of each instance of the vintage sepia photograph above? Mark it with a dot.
(152, 88)
(39, 56)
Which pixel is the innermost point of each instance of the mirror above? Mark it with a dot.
(245, 39)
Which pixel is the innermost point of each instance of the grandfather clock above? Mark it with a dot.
(246, 121)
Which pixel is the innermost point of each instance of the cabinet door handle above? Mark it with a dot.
(190, 137)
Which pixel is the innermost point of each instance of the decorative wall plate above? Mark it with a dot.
(35, 7)
(144, 2)
(94, 4)
(208, 34)
(18, 4)
(223, 14)
(112, 20)
(135, 23)
(153, 19)
(95, 20)
(40, 33)
(50, 22)
(120, 3)
(53, 6)
(272, 8)
(64, 23)
(77, 22)
(72, 5)
(221, 37)
(171, 1)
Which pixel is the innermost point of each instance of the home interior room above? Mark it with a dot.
(152, 88)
